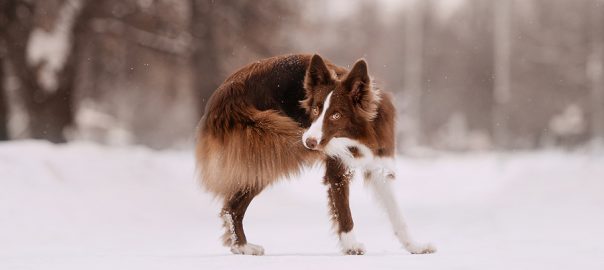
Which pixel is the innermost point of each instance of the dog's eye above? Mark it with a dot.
(335, 116)
(315, 110)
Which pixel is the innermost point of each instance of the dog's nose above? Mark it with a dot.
(311, 143)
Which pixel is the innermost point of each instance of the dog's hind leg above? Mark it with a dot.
(379, 181)
(232, 214)
(337, 178)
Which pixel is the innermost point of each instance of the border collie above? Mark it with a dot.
(274, 116)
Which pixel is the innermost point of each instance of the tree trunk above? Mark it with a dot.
(3, 105)
(413, 72)
(50, 114)
(205, 63)
(4, 20)
(50, 111)
(502, 10)
(595, 71)
(17, 23)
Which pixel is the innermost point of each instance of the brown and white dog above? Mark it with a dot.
(274, 116)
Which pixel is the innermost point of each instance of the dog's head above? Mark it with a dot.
(341, 110)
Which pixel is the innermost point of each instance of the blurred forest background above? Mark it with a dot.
(467, 74)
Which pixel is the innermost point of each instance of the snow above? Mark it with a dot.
(569, 122)
(50, 49)
(85, 206)
(94, 124)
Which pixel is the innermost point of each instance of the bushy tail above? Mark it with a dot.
(241, 147)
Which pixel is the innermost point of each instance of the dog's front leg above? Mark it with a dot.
(379, 180)
(337, 178)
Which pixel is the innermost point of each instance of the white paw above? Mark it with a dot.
(248, 249)
(356, 249)
(421, 249)
(350, 245)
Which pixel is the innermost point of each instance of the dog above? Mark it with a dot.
(273, 117)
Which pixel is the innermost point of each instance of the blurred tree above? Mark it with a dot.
(3, 103)
(16, 21)
(413, 70)
(220, 28)
(205, 51)
(452, 63)
(502, 32)
(134, 73)
(458, 80)
(595, 66)
(551, 43)
(40, 49)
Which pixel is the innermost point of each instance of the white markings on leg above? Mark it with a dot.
(316, 128)
(248, 249)
(379, 181)
(230, 227)
(384, 167)
(350, 245)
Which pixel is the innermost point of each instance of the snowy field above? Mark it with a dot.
(83, 206)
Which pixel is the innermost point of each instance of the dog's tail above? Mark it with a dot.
(240, 147)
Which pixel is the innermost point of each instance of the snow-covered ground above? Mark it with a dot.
(83, 206)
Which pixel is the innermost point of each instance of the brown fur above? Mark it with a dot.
(235, 209)
(252, 156)
(363, 113)
(250, 134)
(367, 113)
(240, 146)
(337, 178)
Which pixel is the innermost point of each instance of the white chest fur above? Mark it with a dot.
(363, 159)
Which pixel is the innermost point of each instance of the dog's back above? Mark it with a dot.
(250, 133)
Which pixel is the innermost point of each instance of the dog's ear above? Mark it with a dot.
(317, 73)
(358, 85)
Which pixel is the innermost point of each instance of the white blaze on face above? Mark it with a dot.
(316, 128)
